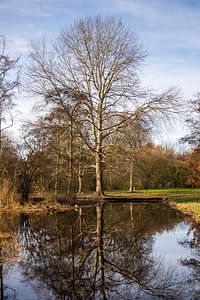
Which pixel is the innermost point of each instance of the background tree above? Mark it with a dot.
(193, 122)
(192, 162)
(31, 160)
(9, 80)
(8, 172)
(161, 167)
(59, 149)
(93, 65)
(133, 138)
(155, 166)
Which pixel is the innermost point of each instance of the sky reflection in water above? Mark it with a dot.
(116, 251)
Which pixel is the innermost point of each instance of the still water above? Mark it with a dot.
(112, 251)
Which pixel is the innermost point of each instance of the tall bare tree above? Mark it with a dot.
(93, 67)
(8, 83)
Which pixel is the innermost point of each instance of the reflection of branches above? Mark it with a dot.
(193, 263)
(78, 258)
(9, 250)
(154, 282)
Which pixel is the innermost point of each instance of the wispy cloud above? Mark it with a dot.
(139, 8)
(30, 8)
(165, 23)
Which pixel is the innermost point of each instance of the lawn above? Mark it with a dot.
(165, 193)
(186, 200)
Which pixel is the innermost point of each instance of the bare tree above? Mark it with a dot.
(8, 83)
(193, 122)
(31, 159)
(132, 139)
(93, 67)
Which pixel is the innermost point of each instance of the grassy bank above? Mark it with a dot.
(189, 206)
(185, 199)
(172, 193)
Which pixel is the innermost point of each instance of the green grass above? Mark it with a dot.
(158, 191)
(137, 193)
(170, 193)
(186, 200)
(173, 190)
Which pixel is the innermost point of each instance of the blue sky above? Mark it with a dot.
(170, 30)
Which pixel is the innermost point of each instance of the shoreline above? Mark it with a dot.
(81, 202)
(188, 202)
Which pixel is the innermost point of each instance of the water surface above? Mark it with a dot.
(112, 251)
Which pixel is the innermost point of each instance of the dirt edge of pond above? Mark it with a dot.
(63, 205)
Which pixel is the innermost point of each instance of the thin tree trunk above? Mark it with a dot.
(57, 174)
(131, 186)
(110, 180)
(80, 176)
(80, 184)
(70, 182)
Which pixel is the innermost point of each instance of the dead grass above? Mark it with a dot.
(190, 207)
(8, 194)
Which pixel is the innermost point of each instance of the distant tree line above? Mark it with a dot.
(43, 164)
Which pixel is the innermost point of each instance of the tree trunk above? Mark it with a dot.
(57, 174)
(70, 181)
(131, 187)
(24, 196)
(69, 188)
(110, 180)
(25, 190)
(99, 173)
(80, 184)
(80, 176)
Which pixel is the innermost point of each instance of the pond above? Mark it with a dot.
(111, 251)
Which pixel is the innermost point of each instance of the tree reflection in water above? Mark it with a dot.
(192, 242)
(99, 254)
(9, 251)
